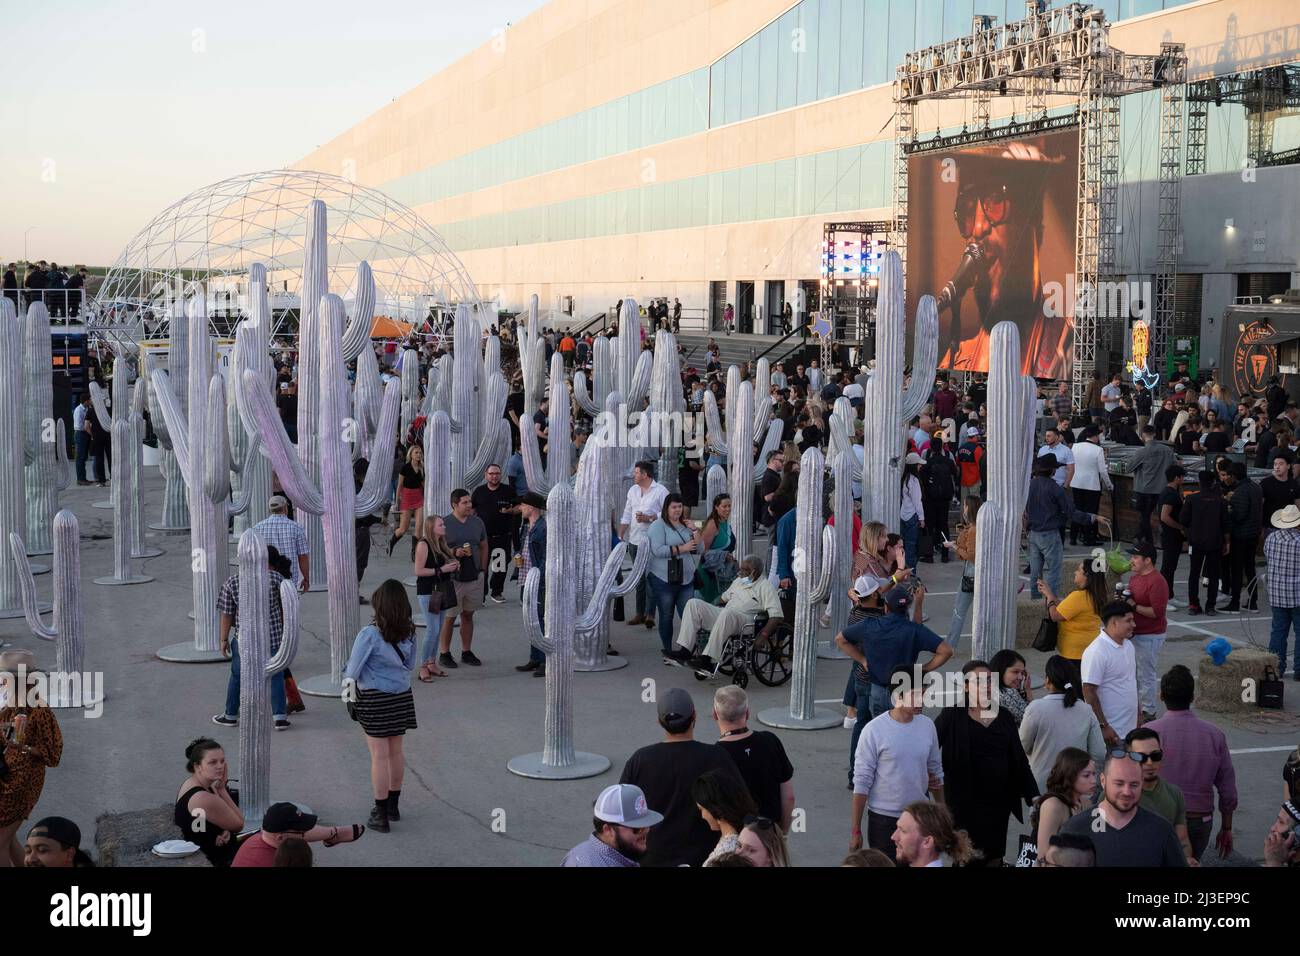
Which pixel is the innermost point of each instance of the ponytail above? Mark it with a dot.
(1063, 677)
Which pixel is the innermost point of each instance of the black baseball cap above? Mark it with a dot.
(287, 818)
(1143, 549)
(60, 830)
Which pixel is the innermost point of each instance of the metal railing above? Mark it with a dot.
(61, 303)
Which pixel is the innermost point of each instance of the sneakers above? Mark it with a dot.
(1194, 609)
(282, 724)
(638, 619)
(498, 599)
(530, 666)
(1171, 606)
(678, 657)
(446, 660)
(848, 725)
(467, 657)
(221, 720)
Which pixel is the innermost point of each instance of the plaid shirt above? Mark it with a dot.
(287, 537)
(1282, 556)
(228, 603)
(1061, 405)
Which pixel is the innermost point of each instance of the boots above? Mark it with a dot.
(393, 813)
(392, 543)
(379, 816)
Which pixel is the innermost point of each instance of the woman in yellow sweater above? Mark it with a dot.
(1079, 613)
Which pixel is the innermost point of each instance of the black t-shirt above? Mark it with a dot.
(1277, 495)
(1216, 442)
(1264, 446)
(412, 480)
(1174, 499)
(1147, 840)
(288, 407)
(488, 504)
(1187, 437)
(515, 403)
(761, 759)
(665, 772)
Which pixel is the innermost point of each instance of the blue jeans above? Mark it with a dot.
(960, 611)
(433, 627)
(910, 529)
(279, 705)
(873, 700)
(1146, 649)
(83, 453)
(1044, 560)
(668, 597)
(1284, 619)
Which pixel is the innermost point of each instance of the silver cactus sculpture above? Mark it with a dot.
(888, 406)
(175, 505)
(814, 557)
(257, 666)
(737, 443)
(123, 491)
(437, 465)
(842, 465)
(250, 354)
(334, 498)
(480, 435)
(410, 379)
(48, 471)
(13, 504)
(200, 441)
(559, 459)
(1008, 454)
(559, 760)
(66, 628)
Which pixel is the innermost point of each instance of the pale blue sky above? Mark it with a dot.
(114, 110)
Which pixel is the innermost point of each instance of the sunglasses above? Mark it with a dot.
(762, 823)
(995, 200)
(1154, 757)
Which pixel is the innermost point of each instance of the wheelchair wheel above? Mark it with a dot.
(699, 676)
(728, 663)
(773, 660)
(741, 677)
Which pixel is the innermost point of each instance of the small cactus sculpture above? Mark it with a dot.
(123, 495)
(1009, 452)
(437, 465)
(250, 353)
(559, 459)
(200, 442)
(888, 406)
(66, 629)
(257, 666)
(138, 548)
(842, 567)
(175, 510)
(410, 379)
(738, 445)
(48, 471)
(559, 760)
(13, 505)
(814, 557)
(335, 497)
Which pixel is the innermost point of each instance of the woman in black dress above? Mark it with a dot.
(206, 811)
(985, 771)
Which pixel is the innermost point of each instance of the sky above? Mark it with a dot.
(114, 110)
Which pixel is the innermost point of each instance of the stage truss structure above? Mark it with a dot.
(214, 234)
(850, 269)
(1063, 54)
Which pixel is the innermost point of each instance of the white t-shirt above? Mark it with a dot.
(1113, 668)
(1062, 453)
(1110, 396)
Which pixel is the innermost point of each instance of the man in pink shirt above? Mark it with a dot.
(1197, 761)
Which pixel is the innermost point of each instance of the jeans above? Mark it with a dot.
(1147, 648)
(499, 554)
(1171, 548)
(83, 453)
(910, 528)
(668, 597)
(961, 606)
(642, 586)
(1045, 560)
(1146, 505)
(1090, 501)
(1207, 559)
(1284, 619)
(873, 700)
(433, 627)
(279, 704)
(880, 829)
(1200, 826)
(1241, 558)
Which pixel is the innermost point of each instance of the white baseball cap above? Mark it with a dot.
(866, 586)
(625, 805)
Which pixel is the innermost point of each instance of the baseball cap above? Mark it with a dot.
(287, 818)
(533, 499)
(866, 586)
(625, 805)
(1143, 549)
(898, 598)
(278, 503)
(913, 459)
(676, 704)
(60, 830)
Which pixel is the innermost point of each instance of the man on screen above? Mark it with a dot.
(999, 215)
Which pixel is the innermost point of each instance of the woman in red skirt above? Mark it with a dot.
(410, 497)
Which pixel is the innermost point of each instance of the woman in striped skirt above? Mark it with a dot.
(383, 656)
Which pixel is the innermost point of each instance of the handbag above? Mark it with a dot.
(1045, 639)
(443, 595)
(1270, 690)
(968, 583)
(676, 569)
(1027, 855)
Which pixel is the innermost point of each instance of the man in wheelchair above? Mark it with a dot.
(750, 595)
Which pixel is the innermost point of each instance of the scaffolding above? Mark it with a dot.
(1262, 93)
(1172, 94)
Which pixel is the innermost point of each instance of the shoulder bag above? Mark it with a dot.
(1045, 639)
(676, 566)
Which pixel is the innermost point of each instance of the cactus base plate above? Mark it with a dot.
(827, 651)
(187, 653)
(12, 613)
(148, 553)
(608, 664)
(322, 685)
(32, 552)
(103, 505)
(169, 529)
(38, 569)
(109, 580)
(63, 699)
(584, 765)
(822, 719)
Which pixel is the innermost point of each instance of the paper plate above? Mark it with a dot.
(174, 849)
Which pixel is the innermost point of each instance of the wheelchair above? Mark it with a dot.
(770, 659)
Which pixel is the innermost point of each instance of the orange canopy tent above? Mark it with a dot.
(385, 328)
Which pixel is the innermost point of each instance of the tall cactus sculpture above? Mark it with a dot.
(175, 505)
(200, 442)
(888, 406)
(814, 557)
(123, 495)
(737, 443)
(842, 465)
(559, 459)
(250, 353)
(137, 432)
(334, 499)
(410, 379)
(257, 666)
(66, 629)
(13, 505)
(48, 471)
(559, 760)
(480, 435)
(1009, 453)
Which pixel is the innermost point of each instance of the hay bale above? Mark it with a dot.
(126, 839)
(1220, 688)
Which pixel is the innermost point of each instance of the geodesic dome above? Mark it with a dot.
(215, 233)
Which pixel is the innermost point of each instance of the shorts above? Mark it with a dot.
(469, 595)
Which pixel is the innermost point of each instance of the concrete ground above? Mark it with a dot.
(460, 804)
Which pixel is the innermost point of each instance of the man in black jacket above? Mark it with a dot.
(1245, 514)
(1205, 515)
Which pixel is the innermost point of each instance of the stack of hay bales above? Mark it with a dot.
(1233, 686)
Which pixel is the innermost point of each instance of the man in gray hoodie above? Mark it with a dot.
(1148, 468)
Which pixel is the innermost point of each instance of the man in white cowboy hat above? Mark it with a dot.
(1282, 558)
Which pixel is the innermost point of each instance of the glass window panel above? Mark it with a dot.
(787, 59)
(806, 50)
(851, 45)
(827, 179)
(636, 120)
(805, 176)
(732, 112)
(902, 33)
(768, 68)
(828, 49)
(730, 195)
(956, 18)
(620, 126)
(848, 180)
(876, 67)
(764, 189)
(717, 92)
(1136, 8)
(749, 79)
(748, 184)
(929, 22)
(658, 104)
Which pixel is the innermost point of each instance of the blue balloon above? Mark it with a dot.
(1218, 649)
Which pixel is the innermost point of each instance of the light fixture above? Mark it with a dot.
(1229, 224)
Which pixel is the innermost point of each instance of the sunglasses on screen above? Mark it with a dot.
(995, 200)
